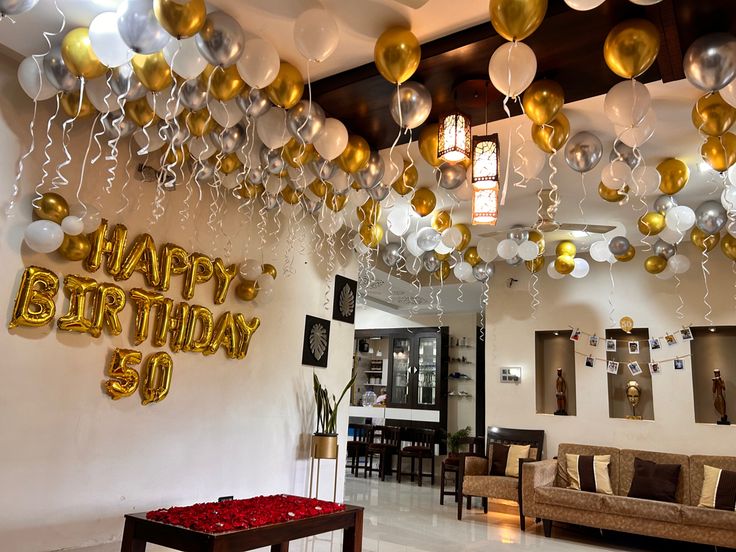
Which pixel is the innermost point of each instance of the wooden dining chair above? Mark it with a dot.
(421, 448)
(362, 436)
(386, 443)
(470, 446)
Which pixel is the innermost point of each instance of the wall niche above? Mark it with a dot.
(713, 347)
(554, 350)
(618, 403)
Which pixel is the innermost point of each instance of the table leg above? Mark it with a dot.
(281, 547)
(352, 538)
(130, 543)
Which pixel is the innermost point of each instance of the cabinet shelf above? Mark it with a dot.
(373, 371)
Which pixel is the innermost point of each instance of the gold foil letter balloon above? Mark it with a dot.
(225, 335)
(224, 276)
(35, 301)
(112, 248)
(76, 320)
(199, 315)
(246, 328)
(200, 271)
(156, 378)
(123, 378)
(141, 257)
(144, 301)
(174, 260)
(109, 301)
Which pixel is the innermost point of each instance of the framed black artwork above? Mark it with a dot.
(316, 341)
(343, 303)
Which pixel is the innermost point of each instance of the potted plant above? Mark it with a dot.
(454, 440)
(325, 437)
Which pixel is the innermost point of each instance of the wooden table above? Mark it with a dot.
(139, 531)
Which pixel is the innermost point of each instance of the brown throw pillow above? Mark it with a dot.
(719, 489)
(654, 481)
(505, 459)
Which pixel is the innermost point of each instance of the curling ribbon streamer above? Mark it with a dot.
(610, 295)
(84, 164)
(123, 196)
(534, 292)
(706, 273)
(678, 310)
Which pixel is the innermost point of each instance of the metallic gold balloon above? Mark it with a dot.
(566, 247)
(564, 264)
(247, 290)
(156, 378)
(225, 335)
(537, 264)
(142, 257)
(51, 206)
(112, 248)
(720, 152)
(225, 82)
(626, 324)
(224, 276)
(609, 194)
(202, 321)
(552, 136)
(712, 115)
(290, 195)
(631, 47)
(200, 271)
(471, 256)
(199, 122)
(674, 175)
(356, 154)
(152, 70)
(397, 54)
(230, 162)
(35, 303)
(140, 112)
(651, 223)
(537, 237)
(318, 187)
(181, 19)
(466, 236)
(370, 211)
(441, 221)
(655, 264)
(78, 55)
(250, 191)
(77, 288)
(74, 248)
(370, 234)
(442, 256)
(70, 105)
(109, 300)
(176, 156)
(297, 154)
(407, 181)
(443, 272)
(335, 202)
(270, 270)
(728, 246)
(423, 201)
(428, 140)
(703, 241)
(542, 101)
(516, 19)
(144, 301)
(246, 328)
(626, 257)
(287, 88)
(124, 379)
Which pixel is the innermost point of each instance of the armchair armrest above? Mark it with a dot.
(533, 475)
(474, 465)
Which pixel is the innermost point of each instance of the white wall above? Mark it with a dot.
(584, 303)
(73, 461)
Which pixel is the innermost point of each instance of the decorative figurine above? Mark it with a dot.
(633, 393)
(561, 394)
(719, 397)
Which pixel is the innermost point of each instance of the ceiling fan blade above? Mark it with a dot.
(416, 4)
(589, 228)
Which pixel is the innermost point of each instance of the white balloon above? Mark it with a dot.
(428, 238)
(201, 147)
(333, 139)
(232, 180)
(463, 271)
(340, 181)
(259, 64)
(275, 184)
(33, 80)
(106, 42)
(412, 246)
(398, 221)
(680, 218)
(512, 68)
(43, 236)
(729, 93)
(101, 95)
(671, 235)
(528, 250)
(452, 237)
(581, 268)
(552, 272)
(226, 114)
(627, 103)
(508, 249)
(667, 273)
(645, 2)
(271, 128)
(638, 136)
(679, 263)
(164, 105)
(265, 283)
(316, 34)
(250, 269)
(487, 249)
(442, 249)
(647, 178)
(413, 265)
(184, 58)
(148, 139)
(528, 160)
(330, 222)
(583, 5)
(599, 251)
(72, 225)
(728, 197)
(616, 174)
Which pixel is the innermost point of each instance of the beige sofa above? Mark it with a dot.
(546, 497)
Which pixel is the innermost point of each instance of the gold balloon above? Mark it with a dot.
(108, 302)
(651, 223)
(423, 201)
(78, 56)
(428, 140)
(566, 247)
(655, 264)
(156, 378)
(516, 19)
(297, 154)
(270, 270)
(123, 378)
(77, 288)
(537, 264)
(250, 191)
(175, 156)
(442, 256)
(199, 122)
(247, 290)
(674, 175)
(111, 247)
(371, 234)
(631, 47)
(144, 302)
(225, 82)
(35, 302)
(720, 152)
(356, 154)
(229, 163)
(728, 246)
(626, 324)
(287, 88)
(174, 260)
(712, 115)
(407, 181)
(626, 257)
(181, 19)
(141, 113)
(152, 70)
(443, 272)
(335, 202)
(466, 235)
(552, 136)
(537, 237)
(290, 195)
(542, 101)
(142, 257)
(441, 220)
(397, 54)
(471, 256)
(74, 248)
(370, 211)
(703, 241)
(71, 106)
(565, 264)
(609, 194)
(51, 206)
(200, 327)
(318, 187)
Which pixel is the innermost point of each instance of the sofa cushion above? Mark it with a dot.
(639, 508)
(491, 486)
(697, 469)
(626, 470)
(580, 500)
(705, 517)
(562, 479)
(505, 459)
(654, 481)
(719, 489)
(589, 473)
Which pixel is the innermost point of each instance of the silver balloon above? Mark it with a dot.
(583, 151)
(452, 176)
(710, 217)
(57, 72)
(193, 95)
(391, 254)
(271, 202)
(428, 238)
(229, 139)
(117, 126)
(255, 176)
(221, 39)
(483, 271)
(664, 249)
(255, 104)
(322, 169)
(619, 245)
(204, 171)
(414, 102)
(125, 83)
(664, 203)
(272, 161)
(14, 7)
(139, 28)
(311, 206)
(370, 176)
(518, 233)
(710, 61)
(174, 134)
(514, 261)
(431, 263)
(380, 192)
(622, 152)
(305, 121)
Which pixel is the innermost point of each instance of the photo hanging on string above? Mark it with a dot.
(634, 368)
(593, 340)
(686, 334)
(612, 367)
(589, 361)
(633, 347)
(654, 344)
(670, 339)
(679, 364)
(610, 345)
(654, 367)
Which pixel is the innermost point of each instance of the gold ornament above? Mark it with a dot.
(423, 201)
(123, 377)
(626, 324)
(140, 112)
(471, 256)
(566, 247)
(655, 264)
(51, 206)
(651, 223)
(626, 257)
(441, 221)
(78, 55)
(397, 54)
(542, 101)
(712, 115)
(720, 152)
(537, 237)
(428, 143)
(609, 194)
(407, 181)
(152, 70)
(466, 236)
(536, 265)
(703, 241)
(728, 246)
(516, 19)
(631, 47)
(225, 82)
(674, 175)
(247, 290)
(71, 106)
(35, 302)
(287, 88)
(564, 264)
(552, 136)
(356, 154)
(74, 248)
(371, 234)
(181, 19)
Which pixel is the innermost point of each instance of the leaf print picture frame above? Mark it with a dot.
(343, 301)
(315, 349)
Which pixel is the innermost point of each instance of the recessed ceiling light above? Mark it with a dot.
(712, 329)
(557, 333)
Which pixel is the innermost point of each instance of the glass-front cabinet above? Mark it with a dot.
(400, 371)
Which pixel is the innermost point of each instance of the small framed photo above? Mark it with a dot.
(654, 368)
(575, 335)
(612, 367)
(634, 368)
(633, 347)
(686, 334)
(593, 340)
(670, 339)
(610, 345)
(679, 364)
(654, 344)
(589, 361)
